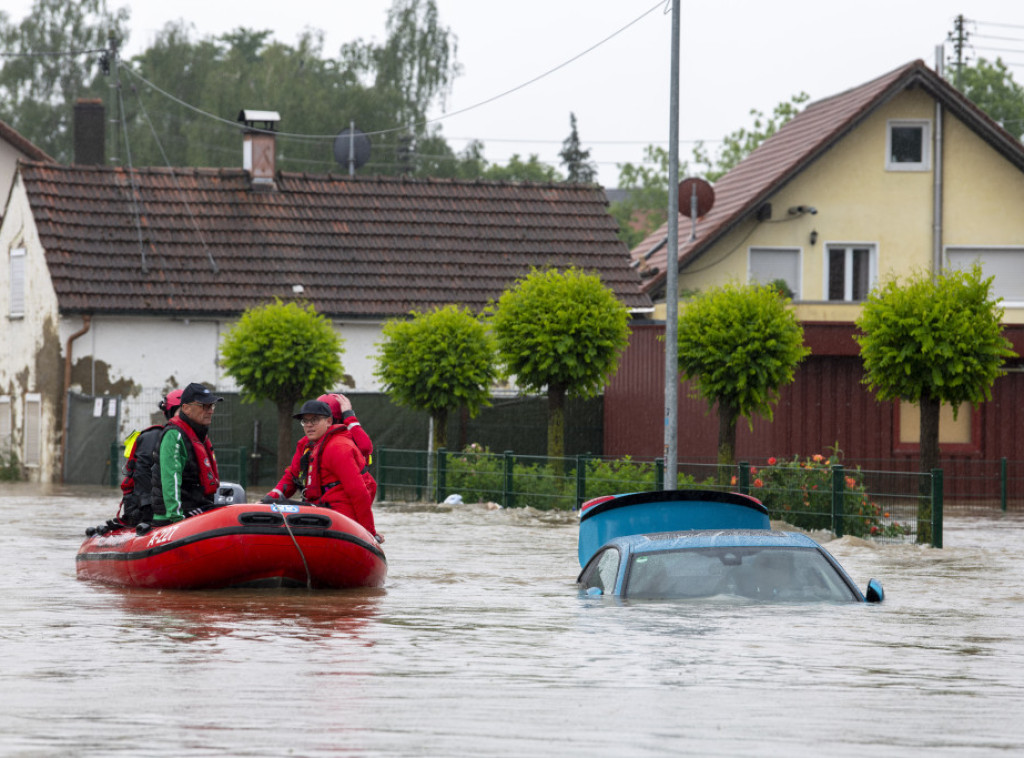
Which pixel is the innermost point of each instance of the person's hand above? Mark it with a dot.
(193, 512)
(343, 402)
(379, 538)
(272, 497)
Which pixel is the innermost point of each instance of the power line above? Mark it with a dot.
(487, 101)
(53, 53)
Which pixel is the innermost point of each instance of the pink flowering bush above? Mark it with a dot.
(799, 492)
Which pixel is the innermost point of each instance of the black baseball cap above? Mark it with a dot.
(197, 393)
(314, 408)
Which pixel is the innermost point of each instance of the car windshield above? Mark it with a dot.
(776, 574)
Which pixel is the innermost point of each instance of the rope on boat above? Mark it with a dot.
(309, 577)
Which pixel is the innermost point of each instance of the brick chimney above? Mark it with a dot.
(90, 133)
(259, 149)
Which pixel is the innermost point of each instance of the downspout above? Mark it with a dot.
(86, 321)
(937, 182)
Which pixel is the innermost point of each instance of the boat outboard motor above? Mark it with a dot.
(229, 493)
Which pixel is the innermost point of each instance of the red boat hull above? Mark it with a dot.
(241, 545)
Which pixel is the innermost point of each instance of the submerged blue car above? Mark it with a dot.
(695, 544)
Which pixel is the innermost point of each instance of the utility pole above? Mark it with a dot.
(671, 268)
(959, 38)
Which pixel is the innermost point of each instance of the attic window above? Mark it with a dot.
(908, 146)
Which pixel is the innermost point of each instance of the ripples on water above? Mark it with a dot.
(479, 645)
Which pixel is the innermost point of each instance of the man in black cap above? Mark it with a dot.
(187, 478)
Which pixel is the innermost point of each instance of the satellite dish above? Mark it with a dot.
(705, 196)
(352, 148)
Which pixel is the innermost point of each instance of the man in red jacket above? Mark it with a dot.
(328, 467)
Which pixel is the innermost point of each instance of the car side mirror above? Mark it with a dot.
(875, 594)
(594, 591)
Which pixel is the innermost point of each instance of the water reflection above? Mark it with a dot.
(302, 615)
(478, 643)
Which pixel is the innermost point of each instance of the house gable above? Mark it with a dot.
(836, 150)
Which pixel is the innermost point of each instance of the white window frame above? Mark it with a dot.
(33, 429)
(849, 247)
(796, 286)
(17, 284)
(925, 164)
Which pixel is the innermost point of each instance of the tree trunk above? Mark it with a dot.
(726, 440)
(929, 438)
(556, 426)
(285, 448)
(440, 429)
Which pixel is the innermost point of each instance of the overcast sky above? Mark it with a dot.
(735, 55)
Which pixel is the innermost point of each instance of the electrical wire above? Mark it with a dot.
(174, 178)
(135, 194)
(487, 101)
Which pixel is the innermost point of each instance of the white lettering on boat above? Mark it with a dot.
(161, 536)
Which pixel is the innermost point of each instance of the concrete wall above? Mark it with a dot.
(30, 353)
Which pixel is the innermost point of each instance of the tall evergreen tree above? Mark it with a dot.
(574, 158)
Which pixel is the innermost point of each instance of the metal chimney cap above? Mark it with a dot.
(250, 117)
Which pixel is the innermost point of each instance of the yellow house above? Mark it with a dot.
(898, 175)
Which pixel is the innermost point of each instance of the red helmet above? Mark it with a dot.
(332, 401)
(170, 402)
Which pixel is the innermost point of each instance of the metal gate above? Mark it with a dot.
(93, 423)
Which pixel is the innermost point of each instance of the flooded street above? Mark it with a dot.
(479, 645)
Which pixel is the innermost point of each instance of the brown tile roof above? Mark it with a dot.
(793, 148)
(361, 247)
(9, 135)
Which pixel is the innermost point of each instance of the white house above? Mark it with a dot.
(120, 284)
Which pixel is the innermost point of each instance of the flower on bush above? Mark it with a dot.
(800, 492)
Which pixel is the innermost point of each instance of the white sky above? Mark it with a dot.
(735, 55)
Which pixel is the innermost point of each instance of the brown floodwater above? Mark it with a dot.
(479, 645)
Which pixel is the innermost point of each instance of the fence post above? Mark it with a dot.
(440, 492)
(581, 479)
(838, 490)
(743, 477)
(382, 480)
(243, 473)
(507, 496)
(422, 463)
(659, 474)
(114, 467)
(1002, 483)
(936, 507)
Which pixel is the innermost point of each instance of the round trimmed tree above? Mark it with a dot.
(563, 332)
(284, 353)
(933, 340)
(436, 362)
(739, 344)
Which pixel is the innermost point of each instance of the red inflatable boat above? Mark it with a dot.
(239, 545)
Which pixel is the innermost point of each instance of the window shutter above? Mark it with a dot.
(5, 428)
(33, 429)
(18, 281)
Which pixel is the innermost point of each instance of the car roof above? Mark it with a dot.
(701, 538)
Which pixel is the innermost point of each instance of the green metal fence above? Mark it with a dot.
(879, 505)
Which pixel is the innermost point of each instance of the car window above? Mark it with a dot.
(601, 571)
(780, 574)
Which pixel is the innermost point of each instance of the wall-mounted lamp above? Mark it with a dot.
(814, 236)
(298, 289)
(797, 210)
